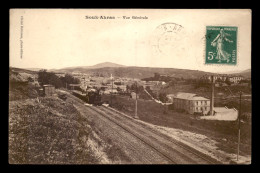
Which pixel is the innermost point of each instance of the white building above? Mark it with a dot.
(190, 103)
(235, 79)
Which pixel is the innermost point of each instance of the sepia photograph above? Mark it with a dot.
(130, 86)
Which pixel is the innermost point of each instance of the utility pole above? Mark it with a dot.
(136, 116)
(112, 90)
(212, 95)
(239, 116)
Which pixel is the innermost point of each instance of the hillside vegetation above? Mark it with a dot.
(47, 131)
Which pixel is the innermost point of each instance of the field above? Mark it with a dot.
(223, 132)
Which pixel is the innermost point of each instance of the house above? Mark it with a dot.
(134, 95)
(170, 98)
(48, 90)
(110, 91)
(191, 103)
(74, 86)
(121, 87)
(235, 79)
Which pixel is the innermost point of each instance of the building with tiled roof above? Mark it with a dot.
(190, 103)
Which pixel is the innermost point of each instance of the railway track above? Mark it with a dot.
(130, 146)
(174, 151)
(176, 142)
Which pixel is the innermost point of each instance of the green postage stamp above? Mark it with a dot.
(221, 45)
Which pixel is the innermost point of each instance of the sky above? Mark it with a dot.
(53, 39)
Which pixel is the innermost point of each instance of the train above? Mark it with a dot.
(90, 97)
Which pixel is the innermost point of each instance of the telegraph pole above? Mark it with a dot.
(239, 116)
(136, 116)
(112, 89)
(212, 96)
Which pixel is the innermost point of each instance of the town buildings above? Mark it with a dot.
(224, 77)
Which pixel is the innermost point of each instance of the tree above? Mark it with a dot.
(227, 81)
(118, 89)
(55, 81)
(43, 77)
(127, 88)
(162, 97)
(30, 79)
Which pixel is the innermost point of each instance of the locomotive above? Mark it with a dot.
(90, 97)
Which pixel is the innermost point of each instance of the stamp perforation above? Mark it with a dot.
(205, 44)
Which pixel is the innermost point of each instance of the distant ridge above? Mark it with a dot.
(106, 64)
(238, 71)
(100, 65)
(244, 73)
(117, 70)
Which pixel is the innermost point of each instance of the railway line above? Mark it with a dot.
(131, 144)
(171, 150)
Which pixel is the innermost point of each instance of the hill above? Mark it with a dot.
(106, 69)
(245, 73)
(80, 68)
(106, 64)
(21, 70)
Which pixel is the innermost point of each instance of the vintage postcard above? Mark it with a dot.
(130, 86)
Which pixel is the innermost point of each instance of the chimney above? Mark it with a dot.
(212, 95)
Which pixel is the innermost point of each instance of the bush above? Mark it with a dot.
(45, 77)
(162, 97)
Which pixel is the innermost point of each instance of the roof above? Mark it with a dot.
(170, 95)
(188, 96)
(74, 84)
(199, 98)
(48, 86)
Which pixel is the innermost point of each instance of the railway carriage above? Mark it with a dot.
(91, 97)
